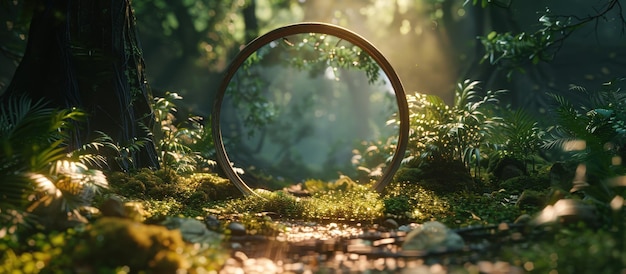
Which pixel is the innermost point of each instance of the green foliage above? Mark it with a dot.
(470, 209)
(38, 253)
(256, 223)
(36, 169)
(112, 242)
(318, 52)
(518, 135)
(179, 146)
(578, 250)
(594, 135)
(443, 137)
(513, 50)
(486, 3)
(440, 133)
(522, 183)
(108, 245)
(370, 157)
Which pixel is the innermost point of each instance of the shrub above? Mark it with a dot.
(439, 176)
(519, 184)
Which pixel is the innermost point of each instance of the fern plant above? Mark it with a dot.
(440, 133)
(594, 134)
(518, 136)
(36, 169)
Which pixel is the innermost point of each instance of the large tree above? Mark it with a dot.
(85, 54)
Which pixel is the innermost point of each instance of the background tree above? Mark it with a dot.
(85, 54)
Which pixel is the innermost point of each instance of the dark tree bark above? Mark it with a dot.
(250, 20)
(85, 54)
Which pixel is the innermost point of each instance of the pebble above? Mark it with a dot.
(236, 229)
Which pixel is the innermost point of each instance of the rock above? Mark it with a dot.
(408, 228)
(113, 241)
(212, 222)
(192, 230)
(236, 229)
(433, 236)
(506, 168)
(390, 224)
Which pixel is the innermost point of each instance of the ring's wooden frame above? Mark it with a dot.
(303, 28)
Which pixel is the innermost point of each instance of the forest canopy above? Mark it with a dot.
(527, 47)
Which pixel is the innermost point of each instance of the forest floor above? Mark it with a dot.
(339, 248)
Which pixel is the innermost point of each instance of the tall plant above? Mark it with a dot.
(178, 144)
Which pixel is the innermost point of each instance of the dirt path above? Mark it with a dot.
(337, 248)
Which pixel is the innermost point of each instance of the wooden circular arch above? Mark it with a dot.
(304, 28)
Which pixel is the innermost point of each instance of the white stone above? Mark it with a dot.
(432, 236)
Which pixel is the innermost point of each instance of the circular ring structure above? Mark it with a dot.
(304, 28)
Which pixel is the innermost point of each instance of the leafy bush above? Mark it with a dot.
(370, 158)
(519, 184)
(441, 177)
(184, 147)
(444, 134)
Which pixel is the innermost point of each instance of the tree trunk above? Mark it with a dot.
(85, 54)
